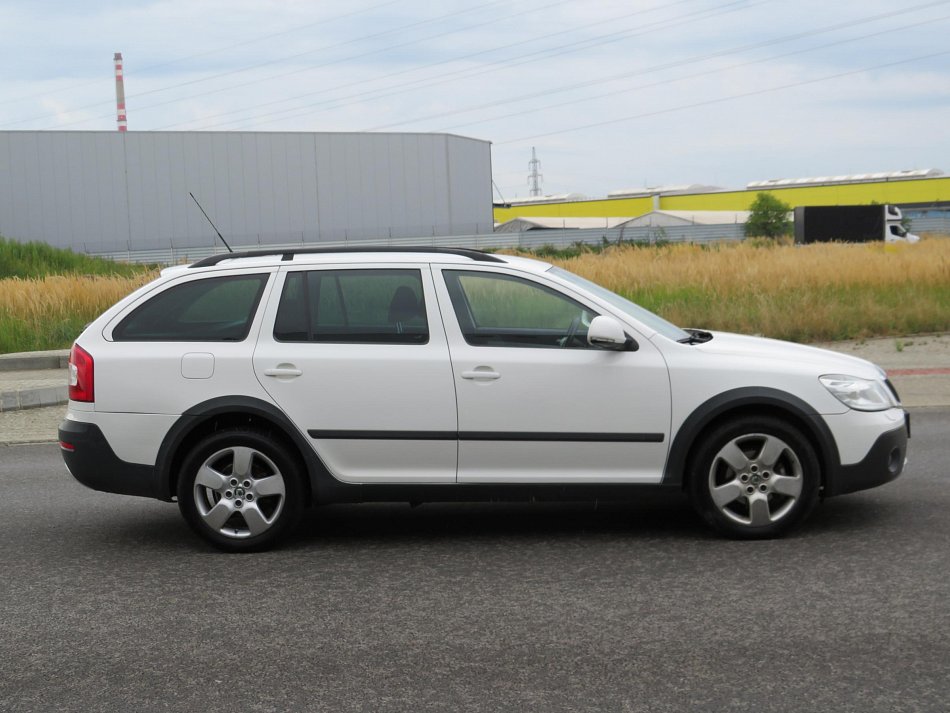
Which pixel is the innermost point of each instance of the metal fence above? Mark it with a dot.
(938, 224)
(531, 239)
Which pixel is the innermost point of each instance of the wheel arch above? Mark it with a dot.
(235, 412)
(744, 402)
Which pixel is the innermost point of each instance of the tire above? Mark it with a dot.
(241, 490)
(754, 478)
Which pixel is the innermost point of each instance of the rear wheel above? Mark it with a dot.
(754, 477)
(240, 490)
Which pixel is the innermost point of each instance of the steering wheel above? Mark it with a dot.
(571, 331)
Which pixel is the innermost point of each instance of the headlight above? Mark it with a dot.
(859, 394)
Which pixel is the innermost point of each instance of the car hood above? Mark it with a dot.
(824, 360)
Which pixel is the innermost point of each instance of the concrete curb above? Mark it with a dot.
(35, 361)
(56, 393)
(33, 398)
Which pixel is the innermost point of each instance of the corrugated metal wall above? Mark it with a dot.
(103, 192)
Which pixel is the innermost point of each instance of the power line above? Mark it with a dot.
(505, 64)
(413, 82)
(697, 74)
(244, 43)
(258, 65)
(410, 70)
(720, 100)
(365, 54)
(670, 65)
(264, 64)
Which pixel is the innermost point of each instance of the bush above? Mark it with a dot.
(769, 218)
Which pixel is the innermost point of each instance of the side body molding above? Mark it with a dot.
(327, 489)
(747, 399)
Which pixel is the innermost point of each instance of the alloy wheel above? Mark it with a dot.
(755, 479)
(239, 492)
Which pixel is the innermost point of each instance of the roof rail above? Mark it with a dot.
(287, 255)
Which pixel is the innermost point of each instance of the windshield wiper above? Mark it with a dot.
(696, 336)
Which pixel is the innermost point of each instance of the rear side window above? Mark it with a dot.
(215, 309)
(353, 307)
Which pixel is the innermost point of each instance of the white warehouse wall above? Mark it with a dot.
(98, 192)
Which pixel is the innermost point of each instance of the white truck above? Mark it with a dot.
(851, 224)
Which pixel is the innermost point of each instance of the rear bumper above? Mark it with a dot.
(883, 463)
(93, 463)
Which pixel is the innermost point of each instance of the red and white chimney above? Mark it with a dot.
(120, 94)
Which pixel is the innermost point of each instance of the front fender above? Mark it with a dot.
(745, 400)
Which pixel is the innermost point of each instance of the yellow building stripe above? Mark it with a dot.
(925, 190)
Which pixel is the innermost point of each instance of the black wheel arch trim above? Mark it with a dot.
(321, 481)
(750, 398)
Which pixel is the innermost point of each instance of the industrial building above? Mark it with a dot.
(653, 219)
(109, 192)
(921, 190)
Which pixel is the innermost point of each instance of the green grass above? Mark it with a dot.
(17, 335)
(32, 260)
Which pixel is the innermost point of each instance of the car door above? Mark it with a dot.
(537, 403)
(356, 356)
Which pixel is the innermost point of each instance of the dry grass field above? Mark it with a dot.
(50, 312)
(799, 293)
(810, 293)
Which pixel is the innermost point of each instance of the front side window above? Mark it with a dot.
(384, 306)
(214, 309)
(497, 310)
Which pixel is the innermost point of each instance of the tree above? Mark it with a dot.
(769, 217)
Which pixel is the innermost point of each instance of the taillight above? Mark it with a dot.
(81, 375)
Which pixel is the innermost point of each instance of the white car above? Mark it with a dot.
(249, 386)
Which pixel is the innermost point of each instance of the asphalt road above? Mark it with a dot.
(110, 603)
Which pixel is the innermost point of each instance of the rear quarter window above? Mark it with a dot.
(353, 306)
(214, 309)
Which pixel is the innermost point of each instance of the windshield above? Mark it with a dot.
(640, 314)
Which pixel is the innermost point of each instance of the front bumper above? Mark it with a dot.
(883, 463)
(91, 460)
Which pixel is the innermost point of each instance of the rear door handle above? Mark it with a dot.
(284, 370)
(482, 373)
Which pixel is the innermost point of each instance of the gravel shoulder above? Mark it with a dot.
(921, 351)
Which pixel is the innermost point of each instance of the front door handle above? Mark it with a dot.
(481, 373)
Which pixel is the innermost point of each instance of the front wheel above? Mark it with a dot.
(755, 477)
(240, 490)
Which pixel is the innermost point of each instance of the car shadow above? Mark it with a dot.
(854, 513)
(654, 515)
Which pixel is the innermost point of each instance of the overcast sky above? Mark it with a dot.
(613, 93)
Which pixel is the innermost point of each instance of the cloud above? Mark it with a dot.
(279, 65)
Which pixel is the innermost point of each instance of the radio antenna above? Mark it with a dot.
(210, 221)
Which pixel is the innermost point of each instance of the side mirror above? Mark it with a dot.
(607, 333)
